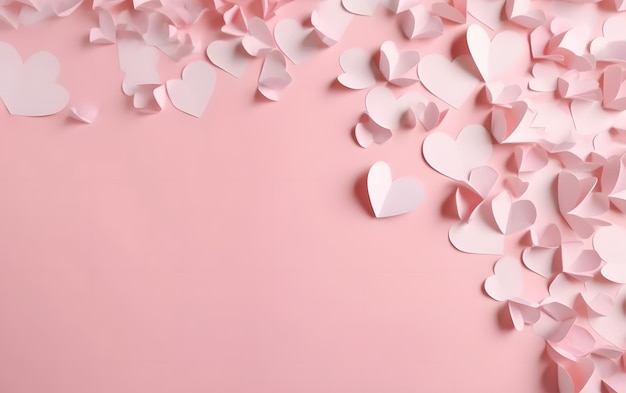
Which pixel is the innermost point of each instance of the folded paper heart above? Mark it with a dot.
(298, 43)
(30, 88)
(398, 68)
(330, 21)
(367, 132)
(390, 112)
(259, 41)
(495, 57)
(390, 197)
(507, 281)
(229, 55)
(274, 77)
(448, 80)
(419, 22)
(456, 158)
(191, 94)
(358, 71)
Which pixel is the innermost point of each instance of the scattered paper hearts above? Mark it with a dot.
(274, 77)
(390, 112)
(398, 68)
(392, 197)
(358, 71)
(30, 88)
(191, 94)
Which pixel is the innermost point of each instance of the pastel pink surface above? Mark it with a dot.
(232, 253)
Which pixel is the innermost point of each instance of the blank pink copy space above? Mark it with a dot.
(236, 253)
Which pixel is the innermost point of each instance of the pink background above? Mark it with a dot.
(236, 253)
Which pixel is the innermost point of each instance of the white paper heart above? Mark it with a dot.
(506, 283)
(456, 158)
(298, 43)
(30, 88)
(229, 56)
(493, 58)
(358, 72)
(449, 81)
(191, 94)
(392, 197)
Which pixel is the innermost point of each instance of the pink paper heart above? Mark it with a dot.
(191, 94)
(259, 41)
(358, 72)
(30, 88)
(274, 77)
(368, 132)
(476, 236)
(392, 197)
(419, 22)
(506, 283)
(298, 43)
(229, 56)
(511, 217)
(448, 80)
(456, 158)
(495, 57)
(398, 68)
(390, 112)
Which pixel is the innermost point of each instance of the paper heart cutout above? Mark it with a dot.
(476, 236)
(614, 88)
(506, 283)
(611, 327)
(368, 132)
(150, 98)
(390, 197)
(449, 81)
(523, 312)
(85, 113)
(577, 262)
(361, 7)
(229, 56)
(330, 21)
(456, 158)
(358, 72)
(500, 94)
(609, 243)
(274, 77)
(391, 112)
(455, 12)
(482, 180)
(520, 12)
(191, 94)
(419, 22)
(139, 62)
(511, 217)
(298, 43)
(106, 32)
(495, 57)
(512, 124)
(545, 77)
(398, 68)
(516, 186)
(430, 115)
(540, 260)
(30, 88)
(259, 41)
(570, 85)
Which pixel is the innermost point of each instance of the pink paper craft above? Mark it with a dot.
(471, 149)
(358, 72)
(487, 12)
(274, 77)
(507, 282)
(139, 62)
(555, 321)
(577, 344)
(511, 217)
(571, 86)
(398, 68)
(259, 41)
(330, 21)
(578, 204)
(512, 125)
(516, 186)
(476, 236)
(298, 43)
(609, 244)
(429, 115)
(390, 112)
(106, 32)
(530, 158)
(392, 197)
(191, 94)
(30, 88)
(521, 13)
(361, 7)
(85, 113)
(448, 80)
(494, 57)
(545, 77)
(455, 11)
(150, 98)
(502, 95)
(419, 23)
(368, 132)
(235, 22)
(614, 88)
(229, 56)
(523, 312)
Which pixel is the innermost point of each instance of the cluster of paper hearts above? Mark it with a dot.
(541, 83)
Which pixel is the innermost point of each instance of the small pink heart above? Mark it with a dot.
(507, 282)
(392, 197)
(191, 94)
